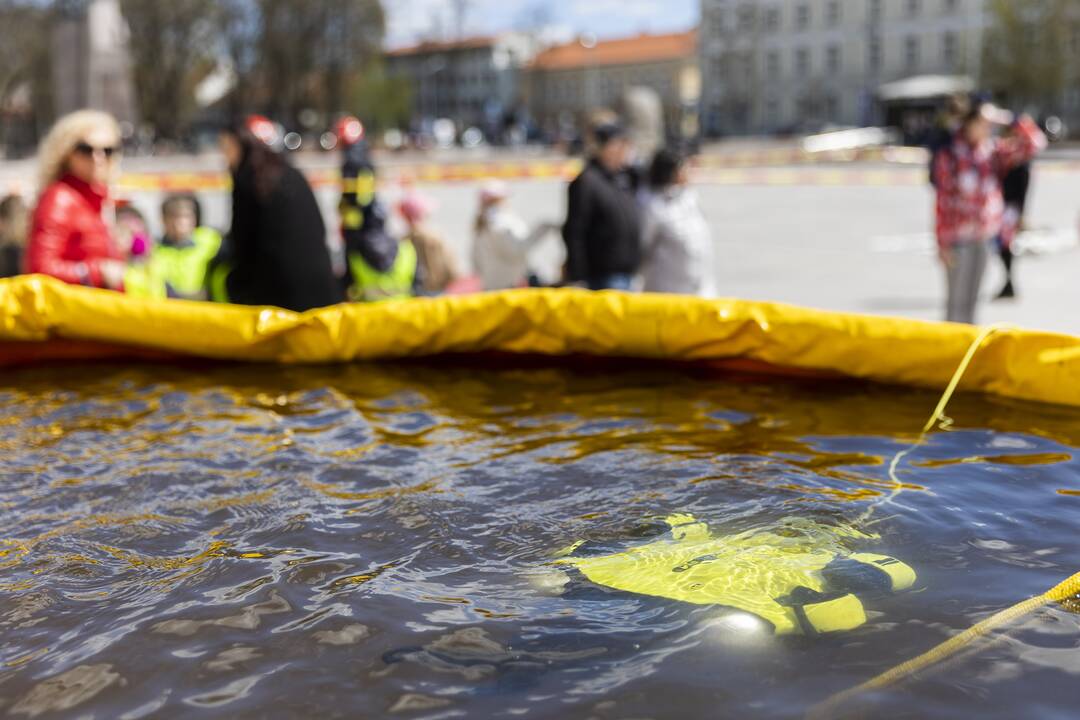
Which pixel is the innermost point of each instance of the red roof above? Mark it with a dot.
(431, 46)
(624, 51)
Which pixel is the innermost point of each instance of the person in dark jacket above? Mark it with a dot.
(1014, 190)
(277, 251)
(603, 221)
(14, 225)
(377, 267)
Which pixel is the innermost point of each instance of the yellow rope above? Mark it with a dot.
(958, 643)
(952, 646)
(937, 416)
(939, 411)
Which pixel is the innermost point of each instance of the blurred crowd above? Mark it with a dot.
(632, 223)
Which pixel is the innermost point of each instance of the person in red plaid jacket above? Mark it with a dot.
(970, 207)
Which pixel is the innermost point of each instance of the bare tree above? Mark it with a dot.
(22, 23)
(24, 66)
(238, 34)
(287, 56)
(1026, 51)
(173, 46)
(309, 50)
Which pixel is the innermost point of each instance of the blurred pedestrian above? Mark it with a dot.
(946, 124)
(380, 267)
(1014, 190)
(970, 206)
(141, 277)
(437, 266)
(187, 247)
(277, 252)
(678, 247)
(502, 241)
(603, 220)
(69, 239)
(14, 225)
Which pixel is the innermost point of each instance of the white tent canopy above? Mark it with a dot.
(924, 87)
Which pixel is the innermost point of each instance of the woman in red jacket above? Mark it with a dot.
(68, 237)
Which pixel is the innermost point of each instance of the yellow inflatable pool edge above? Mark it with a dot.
(1018, 364)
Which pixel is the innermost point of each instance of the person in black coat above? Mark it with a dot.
(1014, 190)
(276, 251)
(14, 226)
(603, 221)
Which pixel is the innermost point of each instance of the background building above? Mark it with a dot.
(91, 64)
(474, 82)
(568, 82)
(772, 65)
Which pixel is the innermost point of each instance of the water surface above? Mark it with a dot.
(364, 541)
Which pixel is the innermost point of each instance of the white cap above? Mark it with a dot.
(494, 190)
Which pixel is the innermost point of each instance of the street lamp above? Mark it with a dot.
(589, 42)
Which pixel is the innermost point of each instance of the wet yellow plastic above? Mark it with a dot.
(901, 576)
(751, 571)
(1013, 363)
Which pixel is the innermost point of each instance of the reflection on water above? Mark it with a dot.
(363, 541)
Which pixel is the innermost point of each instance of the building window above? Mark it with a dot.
(874, 55)
(832, 13)
(802, 17)
(772, 113)
(746, 66)
(1031, 33)
(832, 109)
(772, 20)
(949, 50)
(913, 7)
(951, 6)
(875, 11)
(772, 64)
(911, 53)
(746, 18)
(720, 69)
(802, 62)
(716, 22)
(833, 59)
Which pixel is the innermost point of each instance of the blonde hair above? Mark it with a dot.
(68, 132)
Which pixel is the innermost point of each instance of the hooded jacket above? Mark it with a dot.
(278, 251)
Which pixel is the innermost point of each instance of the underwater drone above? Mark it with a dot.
(795, 579)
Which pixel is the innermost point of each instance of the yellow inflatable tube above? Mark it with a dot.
(41, 318)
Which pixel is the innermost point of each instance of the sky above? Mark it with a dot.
(412, 20)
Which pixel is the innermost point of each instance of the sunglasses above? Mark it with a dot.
(89, 150)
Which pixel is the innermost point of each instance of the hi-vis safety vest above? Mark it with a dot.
(797, 577)
(184, 268)
(142, 280)
(370, 285)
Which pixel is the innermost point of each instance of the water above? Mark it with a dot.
(366, 541)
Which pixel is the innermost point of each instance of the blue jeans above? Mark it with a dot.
(614, 281)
